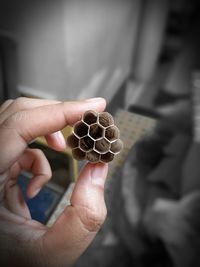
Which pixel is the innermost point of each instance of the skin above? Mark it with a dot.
(23, 241)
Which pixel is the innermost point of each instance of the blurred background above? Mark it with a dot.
(142, 56)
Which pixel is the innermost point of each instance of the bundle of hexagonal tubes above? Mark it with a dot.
(95, 138)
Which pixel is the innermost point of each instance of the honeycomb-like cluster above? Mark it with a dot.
(95, 138)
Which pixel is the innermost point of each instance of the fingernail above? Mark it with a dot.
(59, 138)
(99, 173)
(94, 99)
(36, 192)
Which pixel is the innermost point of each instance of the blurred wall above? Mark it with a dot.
(72, 48)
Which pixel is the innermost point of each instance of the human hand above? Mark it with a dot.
(23, 241)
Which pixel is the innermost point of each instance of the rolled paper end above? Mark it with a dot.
(95, 138)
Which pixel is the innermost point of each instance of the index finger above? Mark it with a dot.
(24, 126)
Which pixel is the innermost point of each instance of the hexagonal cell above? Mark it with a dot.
(112, 133)
(106, 119)
(90, 117)
(107, 157)
(93, 157)
(80, 129)
(72, 141)
(96, 131)
(95, 138)
(102, 146)
(86, 143)
(116, 146)
(78, 154)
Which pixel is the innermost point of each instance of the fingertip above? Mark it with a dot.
(56, 141)
(94, 173)
(96, 99)
(90, 181)
(32, 193)
(99, 173)
(97, 103)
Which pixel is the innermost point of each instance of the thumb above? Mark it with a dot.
(78, 224)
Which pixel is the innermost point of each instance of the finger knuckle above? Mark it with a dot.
(20, 102)
(38, 152)
(47, 176)
(6, 103)
(18, 117)
(41, 156)
(48, 171)
(4, 107)
(17, 123)
(93, 219)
